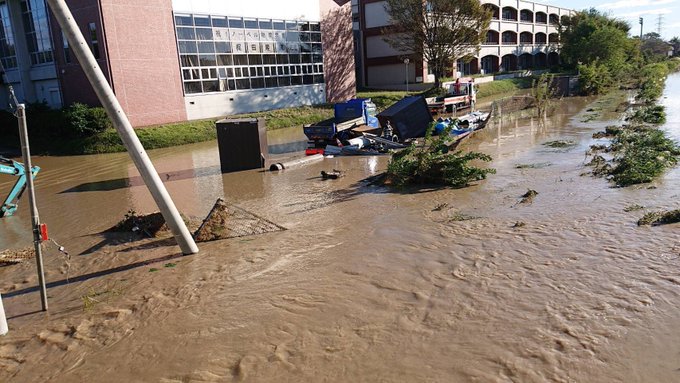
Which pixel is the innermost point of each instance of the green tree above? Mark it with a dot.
(675, 43)
(600, 47)
(654, 48)
(438, 31)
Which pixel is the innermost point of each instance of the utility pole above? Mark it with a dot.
(641, 22)
(406, 61)
(120, 121)
(35, 218)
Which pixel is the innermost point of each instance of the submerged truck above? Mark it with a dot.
(352, 114)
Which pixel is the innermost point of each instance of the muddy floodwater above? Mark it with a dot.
(366, 284)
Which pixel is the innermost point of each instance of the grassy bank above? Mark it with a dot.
(503, 86)
(82, 130)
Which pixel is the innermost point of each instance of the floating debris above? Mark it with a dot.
(459, 217)
(334, 175)
(440, 206)
(539, 165)
(13, 257)
(657, 218)
(519, 224)
(633, 207)
(560, 143)
(528, 197)
(150, 225)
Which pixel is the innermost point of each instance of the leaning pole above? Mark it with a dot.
(120, 121)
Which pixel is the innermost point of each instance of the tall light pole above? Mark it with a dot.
(406, 61)
(641, 22)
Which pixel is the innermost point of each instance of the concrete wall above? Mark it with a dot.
(391, 74)
(376, 15)
(376, 46)
(228, 103)
(142, 53)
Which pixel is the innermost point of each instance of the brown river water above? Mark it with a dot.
(366, 284)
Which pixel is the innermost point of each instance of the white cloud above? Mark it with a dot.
(631, 15)
(634, 3)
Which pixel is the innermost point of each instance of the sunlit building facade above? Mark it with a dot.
(173, 60)
(522, 35)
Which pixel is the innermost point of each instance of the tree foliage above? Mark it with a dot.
(654, 48)
(432, 164)
(438, 31)
(599, 47)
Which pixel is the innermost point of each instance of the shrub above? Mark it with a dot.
(641, 154)
(650, 114)
(432, 164)
(84, 121)
(652, 81)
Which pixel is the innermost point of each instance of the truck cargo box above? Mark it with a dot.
(409, 117)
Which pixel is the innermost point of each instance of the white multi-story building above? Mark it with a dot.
(522, 35)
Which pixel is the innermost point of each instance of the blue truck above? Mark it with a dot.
(349, 115)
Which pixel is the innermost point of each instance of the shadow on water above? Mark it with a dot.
(122, 183)
(96, 274)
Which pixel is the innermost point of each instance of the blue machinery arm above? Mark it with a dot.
(13, 168)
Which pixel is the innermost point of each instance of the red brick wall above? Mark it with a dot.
(142, 54)
(338, 46)
(74, 85)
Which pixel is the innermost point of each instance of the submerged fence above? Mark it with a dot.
(511, 105)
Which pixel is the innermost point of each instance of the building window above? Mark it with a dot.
(67, 49)
(220, 53)
(7, 52)
(36, 26)
(94, 42)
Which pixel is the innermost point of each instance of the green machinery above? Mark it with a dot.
(13, 168)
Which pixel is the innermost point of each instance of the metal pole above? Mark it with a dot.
(35, 218)
(641, 23)
(120, 121)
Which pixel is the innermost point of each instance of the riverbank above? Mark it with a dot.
(49, 141)
(469, 282)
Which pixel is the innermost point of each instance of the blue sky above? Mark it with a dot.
(632, 10)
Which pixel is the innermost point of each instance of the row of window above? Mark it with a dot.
(247, 72)
(247, 47)
(245, 23)
(221, 53)
(188, 61)
(232, 34)
(525, 15)
(38, 39)
(7, 50)
(223, 85)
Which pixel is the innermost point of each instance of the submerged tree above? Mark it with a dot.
(438, 31)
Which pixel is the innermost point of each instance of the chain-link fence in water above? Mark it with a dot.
(511, 105)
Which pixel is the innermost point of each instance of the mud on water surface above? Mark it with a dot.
(367, 283)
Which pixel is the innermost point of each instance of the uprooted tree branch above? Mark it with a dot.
(438, 31)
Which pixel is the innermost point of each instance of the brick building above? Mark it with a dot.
(173, 60)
